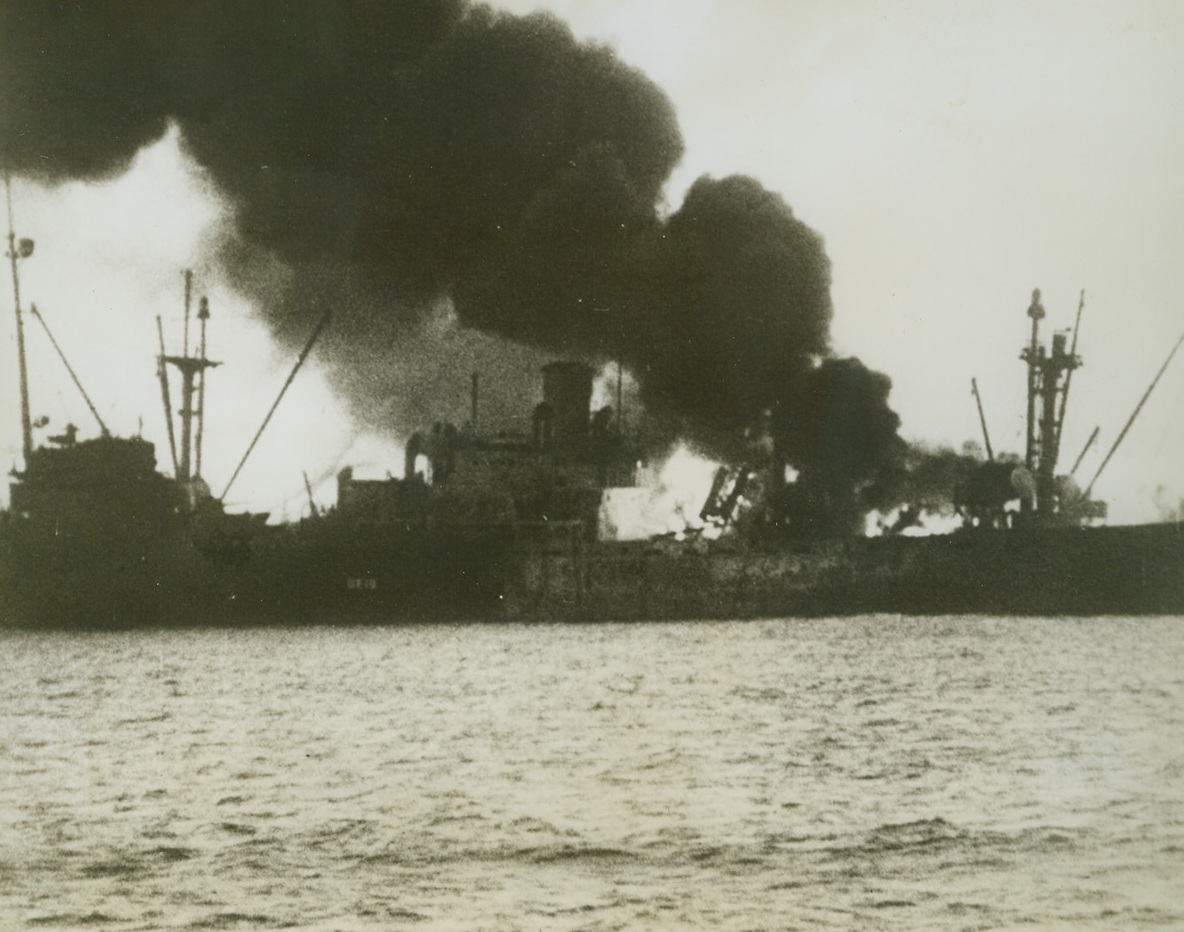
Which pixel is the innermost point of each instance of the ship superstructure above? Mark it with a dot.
(557, 473)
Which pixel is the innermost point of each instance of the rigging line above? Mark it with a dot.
(1135, 414)
(85, 397)
(291, 375)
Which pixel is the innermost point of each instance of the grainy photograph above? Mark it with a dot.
(592, 465)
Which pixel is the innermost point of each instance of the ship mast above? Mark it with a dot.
(190, 368)
(1029, 355)
(203, 315)
(1045, 388)
(23, 251)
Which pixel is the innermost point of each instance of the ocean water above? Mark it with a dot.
(866, 773)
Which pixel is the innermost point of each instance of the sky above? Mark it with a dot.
(953, 156)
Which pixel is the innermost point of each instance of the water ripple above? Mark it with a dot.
(883, 772)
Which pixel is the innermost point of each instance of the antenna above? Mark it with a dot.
(25, 250)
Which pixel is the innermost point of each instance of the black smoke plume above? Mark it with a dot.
(464, 188)
(841, 436)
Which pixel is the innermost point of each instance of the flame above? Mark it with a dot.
(667, 501)
(927, 523)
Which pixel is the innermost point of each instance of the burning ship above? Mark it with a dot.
(506, 526)
(1029, 543)
(396, 158)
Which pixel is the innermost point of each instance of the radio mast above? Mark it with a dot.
(20, 250)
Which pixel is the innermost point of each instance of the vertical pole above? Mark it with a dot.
(1036, 312)
(26, 422)
(203, 314)
(1046, 468)
(186, 421)
(1032, 358)
(188, 275)
(186, 390)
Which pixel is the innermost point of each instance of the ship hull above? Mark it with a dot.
(326, 573)
(316, 573)
(1097, 571)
